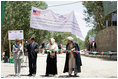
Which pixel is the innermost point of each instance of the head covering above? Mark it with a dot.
(70, 38)
(53, 46)
(26, 42)
(17, 40)
(52, 40)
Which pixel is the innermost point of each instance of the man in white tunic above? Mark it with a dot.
(73, 59)
(71, 56)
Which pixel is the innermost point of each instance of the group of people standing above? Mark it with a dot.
(91, 46)
(72, 62)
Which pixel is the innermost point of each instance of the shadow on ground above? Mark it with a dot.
(66, 76)
(60, 76)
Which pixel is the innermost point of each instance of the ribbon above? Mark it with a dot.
(10, 76)
(110, 52)
(58, 51)
(88, 52)
(76, 51)
(102, 53)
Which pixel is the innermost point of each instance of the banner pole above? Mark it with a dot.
(10, 48)
(23, 50)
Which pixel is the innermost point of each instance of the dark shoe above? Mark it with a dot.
(47, 75)
(75, 75)
(70, 75)
(53, 74)
(29, 75)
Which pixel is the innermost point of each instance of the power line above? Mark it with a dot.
(64, 4)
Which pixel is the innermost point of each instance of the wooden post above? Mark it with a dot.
(23, 49)
(10, 48)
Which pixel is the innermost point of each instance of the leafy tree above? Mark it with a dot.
(94, 14)
(17, 17)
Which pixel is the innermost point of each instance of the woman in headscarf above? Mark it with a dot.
(51, 58)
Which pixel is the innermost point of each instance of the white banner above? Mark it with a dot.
(92, 38)
(15, 34)
(48, 20)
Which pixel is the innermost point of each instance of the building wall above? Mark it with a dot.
(106, 40)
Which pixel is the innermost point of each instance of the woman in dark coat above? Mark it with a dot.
(51, 64)
(51, 67)
(77, 56)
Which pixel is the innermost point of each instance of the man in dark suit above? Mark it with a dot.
(93, 46)
(32, 50)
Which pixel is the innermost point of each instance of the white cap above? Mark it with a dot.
(52, 40)
(70, 38)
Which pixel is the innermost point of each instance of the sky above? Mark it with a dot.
(77, 7)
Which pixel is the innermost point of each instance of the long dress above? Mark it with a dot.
(51, 67)
(51, 64)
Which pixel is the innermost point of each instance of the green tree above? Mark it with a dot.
(94, 14)
(17, 17)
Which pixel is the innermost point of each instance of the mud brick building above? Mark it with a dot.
(106, 39)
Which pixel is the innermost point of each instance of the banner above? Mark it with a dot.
(15, 34)
(48, 20)
(91, 38)
(114, 16)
